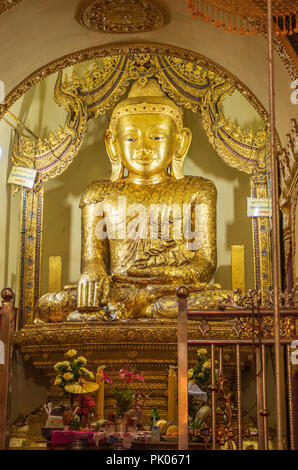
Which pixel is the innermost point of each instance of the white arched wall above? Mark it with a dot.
(37, 32)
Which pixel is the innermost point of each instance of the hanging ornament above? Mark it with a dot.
(242, 10)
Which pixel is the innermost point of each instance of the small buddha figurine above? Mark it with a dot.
(148, 229)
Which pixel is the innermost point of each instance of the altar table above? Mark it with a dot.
(64, 438)
(97, 441)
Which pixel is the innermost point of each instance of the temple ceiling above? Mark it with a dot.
(96, 16)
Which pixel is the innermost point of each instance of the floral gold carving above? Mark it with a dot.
(124, 49)
(121, 17)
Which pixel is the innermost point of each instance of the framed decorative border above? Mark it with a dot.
(262, 243)
(31, 245)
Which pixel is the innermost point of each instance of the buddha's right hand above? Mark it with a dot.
(93, 290)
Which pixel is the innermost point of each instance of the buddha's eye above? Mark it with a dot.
(130, 139)
(156, 137)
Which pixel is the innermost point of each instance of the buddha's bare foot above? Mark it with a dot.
(55, 306)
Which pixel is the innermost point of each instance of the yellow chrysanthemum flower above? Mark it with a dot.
(207, 364)
(84, 370)
(56, 366)
(202, 351)
(68, 376)
(91, 375)
(65, 363)
(190, 373)
(57, 381)
(82, 359)
(71, 353)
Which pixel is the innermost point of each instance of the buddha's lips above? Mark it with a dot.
(145, 157)
(145, 160)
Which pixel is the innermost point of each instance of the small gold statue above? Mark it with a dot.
(149, 231)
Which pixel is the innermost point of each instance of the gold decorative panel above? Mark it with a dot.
(31, 245)
(122, 17)
(261, 229)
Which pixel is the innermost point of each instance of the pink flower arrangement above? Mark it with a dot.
(128, 376)
(125, 396)
(107, 378)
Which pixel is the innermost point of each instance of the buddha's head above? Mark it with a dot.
(146, 135)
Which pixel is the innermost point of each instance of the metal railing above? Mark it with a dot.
(251, 325)
(6, 338)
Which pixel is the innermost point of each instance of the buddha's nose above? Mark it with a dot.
(143, 147)
(142, 154)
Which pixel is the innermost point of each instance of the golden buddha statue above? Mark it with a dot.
(134, 251)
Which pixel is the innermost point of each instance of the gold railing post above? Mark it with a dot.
(259, 389)
(239, 397)
(275, 229)
(182, 294)
(264, 412)
(290, 398)
(172, 395)
(213, 397)
(6, 333)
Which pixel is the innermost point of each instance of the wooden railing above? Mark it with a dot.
(6, 337)
(251, 326)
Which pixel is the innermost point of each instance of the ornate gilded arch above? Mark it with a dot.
(191, 80)
(191, 85)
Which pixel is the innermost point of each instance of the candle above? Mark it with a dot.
(172, 395)
(55, 269)
(238, 267)
(100, 393)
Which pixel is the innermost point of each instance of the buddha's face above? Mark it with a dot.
(146, 142)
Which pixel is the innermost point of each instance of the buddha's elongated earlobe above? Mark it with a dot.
(177, 167)
(183, 144)
(116, 163)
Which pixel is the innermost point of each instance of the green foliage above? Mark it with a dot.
(200, 374)
(124, 399)
(75, 423)
(154, 416)
(197, 424)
